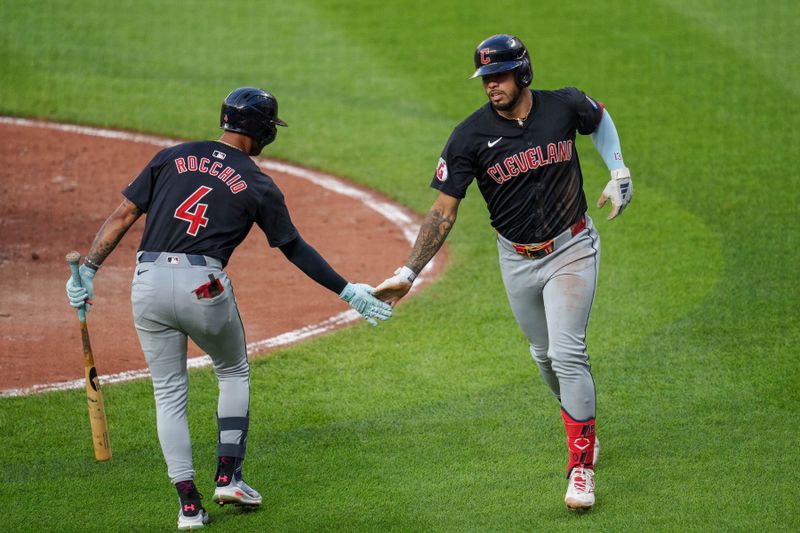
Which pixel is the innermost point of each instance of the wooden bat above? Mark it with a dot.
(94, 396)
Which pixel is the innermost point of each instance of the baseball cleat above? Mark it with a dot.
(596, 451)
(192, 515)
(580, 491)
(197, 521)
(237, 492)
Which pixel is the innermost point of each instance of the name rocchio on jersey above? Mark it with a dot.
(227, 175)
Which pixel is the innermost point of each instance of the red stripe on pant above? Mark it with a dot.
(580, 441)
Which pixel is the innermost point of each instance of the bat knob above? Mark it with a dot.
(73, 257)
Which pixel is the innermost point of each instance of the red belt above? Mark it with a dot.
(537, 251)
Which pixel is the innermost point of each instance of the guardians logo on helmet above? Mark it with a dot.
(501, 53)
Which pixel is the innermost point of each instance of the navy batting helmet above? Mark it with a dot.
(501, 53)
(252, 112)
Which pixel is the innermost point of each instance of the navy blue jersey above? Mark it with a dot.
(203, 198)
(529, 175)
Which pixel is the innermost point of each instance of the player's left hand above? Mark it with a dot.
(619, 190)
(360, 298)
(81, 295)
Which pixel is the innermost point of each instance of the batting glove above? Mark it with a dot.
(619, 190)
(360, 298)
(81, 295)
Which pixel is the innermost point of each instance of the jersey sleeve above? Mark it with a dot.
(588, 111)
(273, 217)
(455, 169)
(140, 190)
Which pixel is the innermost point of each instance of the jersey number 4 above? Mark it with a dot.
(194, 212)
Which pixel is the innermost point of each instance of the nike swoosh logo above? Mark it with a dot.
(492, 143)
(138, 272)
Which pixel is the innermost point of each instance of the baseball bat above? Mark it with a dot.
(94, 396)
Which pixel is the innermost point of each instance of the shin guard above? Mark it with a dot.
(580, 442)
(231, 454)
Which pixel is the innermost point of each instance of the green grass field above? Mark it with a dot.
(438, 420)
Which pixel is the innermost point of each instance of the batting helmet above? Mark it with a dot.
(252, 112)
(501, 53)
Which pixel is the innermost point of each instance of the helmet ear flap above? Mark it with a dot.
(266, 137)
(270, 133)
(523, 75)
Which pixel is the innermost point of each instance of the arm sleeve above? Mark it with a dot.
(307, 259)
(606, 140)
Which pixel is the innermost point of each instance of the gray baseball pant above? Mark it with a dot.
(551, 298)
(166, 312)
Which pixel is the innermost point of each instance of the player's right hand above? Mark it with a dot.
(394, 288)
(81, 295)
(619, 190)
(360, 297)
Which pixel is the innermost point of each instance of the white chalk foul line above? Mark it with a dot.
(396, 214)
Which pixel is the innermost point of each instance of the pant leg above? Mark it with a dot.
(217, 329)
(568, 296)
(524, 286)
(164, 349)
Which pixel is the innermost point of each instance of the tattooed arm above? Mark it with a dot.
(432, 233)
(80, 292)
(434, 230)
(111, 232)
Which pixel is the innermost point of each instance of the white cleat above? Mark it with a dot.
(192, 522)
(596, 451)
(580, 491)
(237, 492)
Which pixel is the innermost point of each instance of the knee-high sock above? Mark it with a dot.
(580, 441)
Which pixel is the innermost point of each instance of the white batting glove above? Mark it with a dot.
(619, 190)
(360, 298)
(394, 288)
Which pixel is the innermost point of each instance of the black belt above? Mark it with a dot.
(150, 257)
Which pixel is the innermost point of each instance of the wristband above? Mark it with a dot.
(408, 274)
(620, 173)
(91, 264)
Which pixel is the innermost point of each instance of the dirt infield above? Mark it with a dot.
(57, 188)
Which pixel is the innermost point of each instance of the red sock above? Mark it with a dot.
(580, 442)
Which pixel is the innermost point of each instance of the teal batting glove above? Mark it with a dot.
(360, 298)
(81, 295)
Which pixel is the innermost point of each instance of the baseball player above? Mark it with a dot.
(201, 199)
(520, 146)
